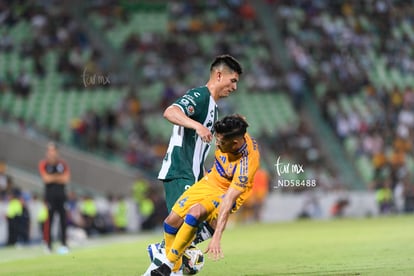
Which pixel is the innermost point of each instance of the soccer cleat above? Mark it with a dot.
(157, 255)
(153, 249)
(163, 270)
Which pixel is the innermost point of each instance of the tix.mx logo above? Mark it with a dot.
(291, 175)
(90, 79)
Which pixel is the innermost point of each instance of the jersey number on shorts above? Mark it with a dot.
(181, 203)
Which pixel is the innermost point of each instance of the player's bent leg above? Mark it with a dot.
(186, 234)
(183, 238)
(171, 226)
(190, 207)
(156, 251)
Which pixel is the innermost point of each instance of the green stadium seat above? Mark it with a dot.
(150, 96)
(365, 168)
(158, 127)
(320, 90)
(351, 145)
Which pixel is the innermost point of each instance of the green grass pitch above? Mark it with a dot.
(372, 246)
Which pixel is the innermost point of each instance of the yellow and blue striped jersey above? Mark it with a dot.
(236, 170)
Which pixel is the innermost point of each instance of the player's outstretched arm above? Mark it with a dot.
(175, 115)
(214, 248)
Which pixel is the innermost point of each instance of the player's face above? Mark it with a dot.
(227, 82)
(225, 145)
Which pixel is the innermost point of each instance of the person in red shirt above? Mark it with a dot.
(55, 174)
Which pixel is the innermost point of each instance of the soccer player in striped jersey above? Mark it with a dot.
(220, 192)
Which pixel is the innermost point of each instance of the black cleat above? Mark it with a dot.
(162, 270)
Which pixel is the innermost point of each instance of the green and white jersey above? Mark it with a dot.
(186, 152)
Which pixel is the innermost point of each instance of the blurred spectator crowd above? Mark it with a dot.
(354, 56)
(162, 57)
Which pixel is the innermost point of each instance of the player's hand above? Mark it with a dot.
(204, 133)
(214, 250)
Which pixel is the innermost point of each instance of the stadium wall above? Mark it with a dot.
(288, 207)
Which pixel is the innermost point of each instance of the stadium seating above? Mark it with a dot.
(268, 110)
(53, 105)
(365, 38)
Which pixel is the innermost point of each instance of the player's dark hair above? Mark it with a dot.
(231, 126)
(228, 61)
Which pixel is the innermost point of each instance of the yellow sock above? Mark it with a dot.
(169, 240)
(169, 236)
(183, 239)
(177, 265)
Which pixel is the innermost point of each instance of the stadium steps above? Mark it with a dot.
(332, 146)
(277, 45)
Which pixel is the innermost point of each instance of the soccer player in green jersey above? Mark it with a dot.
(193, 116)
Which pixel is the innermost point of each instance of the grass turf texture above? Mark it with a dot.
(376, 246)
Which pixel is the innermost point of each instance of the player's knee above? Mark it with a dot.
(198, 212)
(174, 220)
